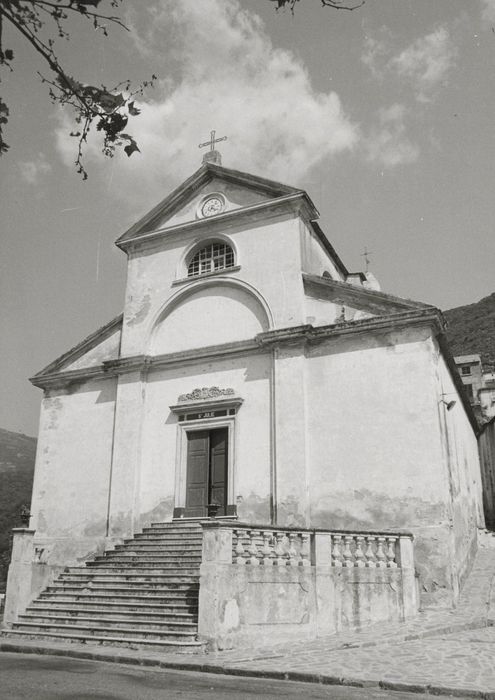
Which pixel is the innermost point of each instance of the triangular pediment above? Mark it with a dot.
(238, 190)
(353, 302)
(97, 348)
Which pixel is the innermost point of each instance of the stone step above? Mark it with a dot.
(176, 530)
(98, 620)
(163, 539)
(177, 525)
(127, 555)
(133, 574)
(74, 606)
(141, 589)
(137, 592)
(101, 640)
(146, 562)
(107, 631)
(168, 547)
(182, 535)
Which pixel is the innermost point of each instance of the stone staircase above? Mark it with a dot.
(142, 594)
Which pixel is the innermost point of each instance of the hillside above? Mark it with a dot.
(17, 454)
(471, 330)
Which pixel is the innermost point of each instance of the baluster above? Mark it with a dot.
(240, 552)
(267, 550)
(336, 551)
(305, 549)
(292, 552)
(369, 553)
(381, 559)
(279, 550)
(359, 554)
(253, 549)
(390, 552)
(347, 553)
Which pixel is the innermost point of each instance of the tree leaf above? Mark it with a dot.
(131, 147)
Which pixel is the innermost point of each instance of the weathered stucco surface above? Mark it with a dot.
(70, 490)
(348, 431)
(487, 456)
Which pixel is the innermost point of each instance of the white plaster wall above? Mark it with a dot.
(236, 197)
(108, 349)
(461, 458)
(315, 258)
(374, 452)
(249, 377)
(210, 315)
(269, 256)
(70, 490)
(320, 312)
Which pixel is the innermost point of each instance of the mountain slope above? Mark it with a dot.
(471, 330)
(17, 454)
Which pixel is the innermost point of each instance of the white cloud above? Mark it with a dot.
(423, 65)
(426, 62)
(33, 170)
(376, 53)
(488, 11)
(228, 77)
(387, 144)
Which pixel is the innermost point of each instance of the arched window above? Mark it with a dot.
(211, 258)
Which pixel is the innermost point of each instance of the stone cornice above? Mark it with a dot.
(354, 291)
(262, 342)
(292, 202)
(183, 193)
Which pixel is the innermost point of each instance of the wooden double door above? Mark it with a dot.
(207, 467)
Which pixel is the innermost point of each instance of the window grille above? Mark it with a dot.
(211, 258)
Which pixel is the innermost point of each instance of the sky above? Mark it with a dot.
(384, 115)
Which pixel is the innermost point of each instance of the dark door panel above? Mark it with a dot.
(206, 480)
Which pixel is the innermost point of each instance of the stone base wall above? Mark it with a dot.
(270, 600)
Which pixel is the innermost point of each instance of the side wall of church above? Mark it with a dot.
(72, 472)
(461, 457)
(375, 456)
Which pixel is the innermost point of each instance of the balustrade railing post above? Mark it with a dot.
(347, 553)
(292, 552)
(409, 589)
(305, 549)
(381, 559)
(253, 549)
(359, 554)
(279, 549)
(337, 557)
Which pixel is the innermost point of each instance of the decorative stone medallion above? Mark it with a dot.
(212, 392)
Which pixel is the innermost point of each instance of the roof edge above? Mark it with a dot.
(204, 173)
(77, 350)
(364, 291)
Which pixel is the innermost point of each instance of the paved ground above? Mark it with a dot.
(443, 652)
(52, 678)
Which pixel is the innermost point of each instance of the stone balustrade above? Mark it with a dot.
(266, 583)
(288, 547)
(372, 551)
(271, 547)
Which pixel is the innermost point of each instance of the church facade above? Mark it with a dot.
(253, 378)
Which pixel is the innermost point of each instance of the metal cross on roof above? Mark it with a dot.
(211, 143)
(366, 255)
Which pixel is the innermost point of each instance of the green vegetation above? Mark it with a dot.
(17, 454)
(471, 330)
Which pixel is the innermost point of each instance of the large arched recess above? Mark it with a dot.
(206, 313)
